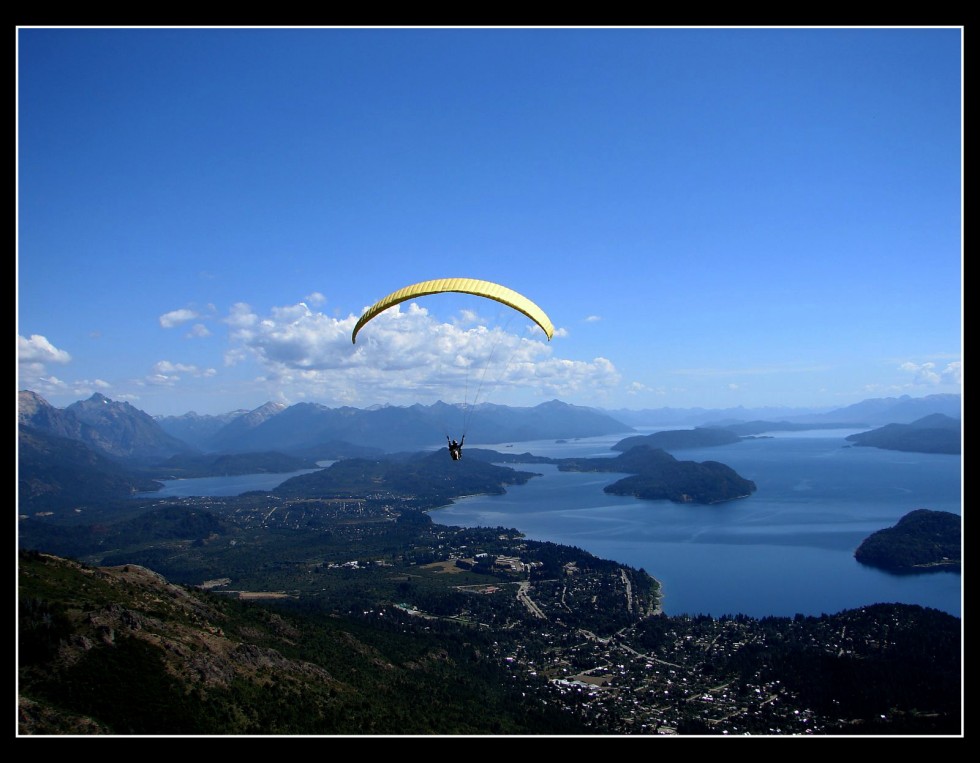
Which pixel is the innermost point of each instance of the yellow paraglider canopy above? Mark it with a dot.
(473, 286)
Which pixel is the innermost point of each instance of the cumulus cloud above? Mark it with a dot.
(404, 355)
(241, 316)
(38, 349)
(166, 367)
(929, 374)
(953, 373)
(161, 380)
(315, 298)
(198, 330)
(34, 354)
(177, 317)
(52, 386)
(592, 319)
(235, 356)
(166, 373)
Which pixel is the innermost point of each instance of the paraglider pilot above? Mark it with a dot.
(456, 448)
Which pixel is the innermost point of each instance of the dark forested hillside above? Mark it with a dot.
(427, 479)
(120, 650)
(921, 541)
(931, 434)
(57, 473)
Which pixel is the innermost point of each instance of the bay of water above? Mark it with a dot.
(786, 549)
(215, 486)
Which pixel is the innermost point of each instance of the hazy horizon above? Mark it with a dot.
(710, 217)
(787, 409)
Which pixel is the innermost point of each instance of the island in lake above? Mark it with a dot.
(931, 434)
(922, 541)
(428, 480)
(678, 439)
(657, 475)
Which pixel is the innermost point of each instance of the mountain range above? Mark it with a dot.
(99, 449)
(310, 431)
(115, 429)
(871, 412)
(304, 429)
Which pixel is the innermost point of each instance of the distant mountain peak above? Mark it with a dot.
(111, 427)
(268, 409)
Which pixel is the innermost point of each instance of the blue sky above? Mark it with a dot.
(709, 217)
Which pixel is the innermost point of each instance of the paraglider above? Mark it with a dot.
(455, 448)
(473, 286)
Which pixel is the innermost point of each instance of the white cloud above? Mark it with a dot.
(38, 349)
(922, 377)
(161, 380)
(51, 386)
(927, 374)
(198, 330)
(404, 355)
(953, 373)
(166, 367)
(235, 356)
(241, 316)
(592, 319)
(33, 357)
(177, 317)
(315, 298)
(168, 374)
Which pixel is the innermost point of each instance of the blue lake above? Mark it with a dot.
(786, 549)
(214, 486)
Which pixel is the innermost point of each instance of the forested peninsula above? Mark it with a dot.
(922, 541)
(931, 434)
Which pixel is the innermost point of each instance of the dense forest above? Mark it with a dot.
(212, 664)
(922, 541)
